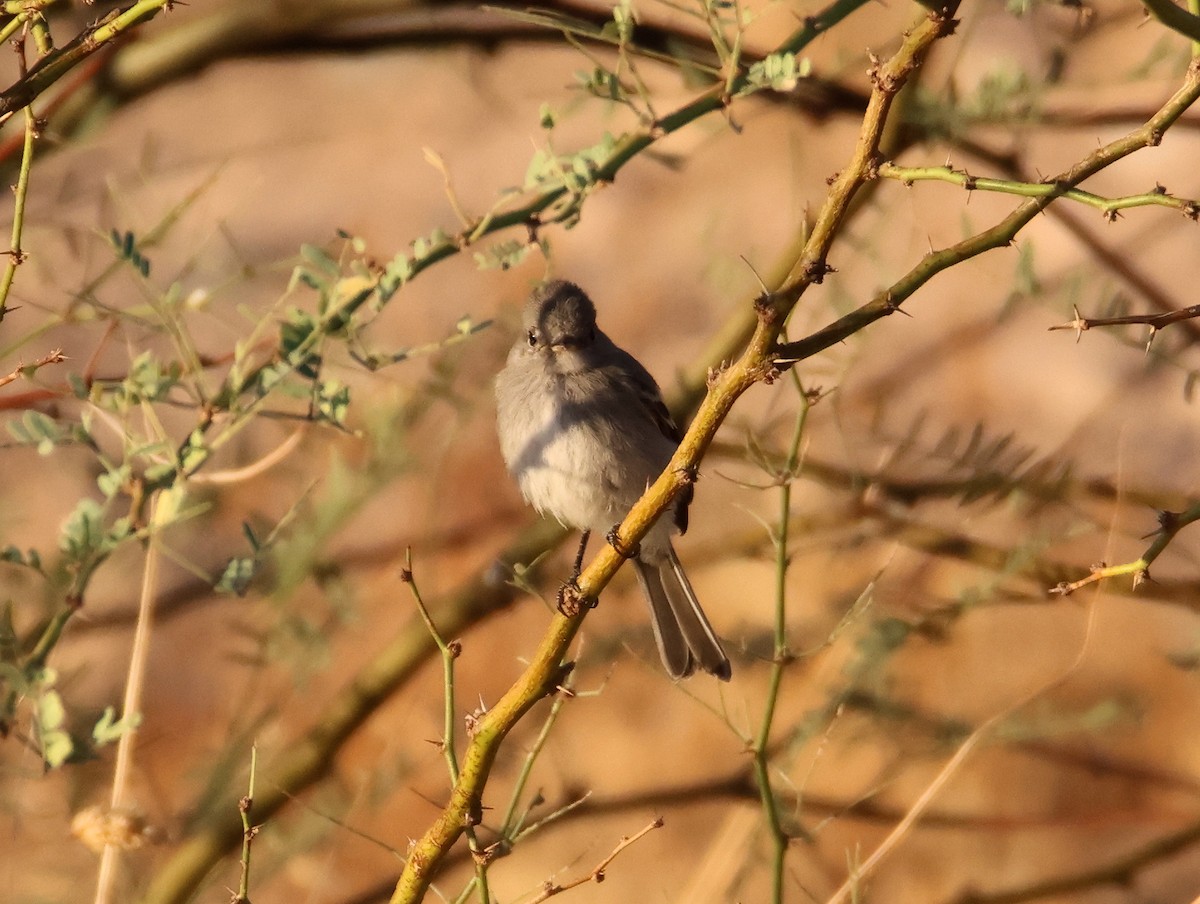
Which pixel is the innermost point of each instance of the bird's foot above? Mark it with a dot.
(614, 540)
(571, 600)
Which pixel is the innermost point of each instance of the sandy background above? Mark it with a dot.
(291, 147)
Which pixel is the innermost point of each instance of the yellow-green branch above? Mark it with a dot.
(545, 669)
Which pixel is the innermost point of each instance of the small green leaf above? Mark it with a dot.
(36, 429)
(29, 559)
(57, 747)
(237, 576)
(543, 170)
(332, 402)
(320, 259)
(83, 531)
(111, 481)
(194, 452)
(296, 342)
(50, 712)
(79, 387)
(108, 728)
(395, 275)
(502, 255)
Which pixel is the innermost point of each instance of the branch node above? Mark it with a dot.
(814, 271)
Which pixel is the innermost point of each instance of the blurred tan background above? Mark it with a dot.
(284, 148)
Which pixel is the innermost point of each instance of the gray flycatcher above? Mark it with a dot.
(584, 431)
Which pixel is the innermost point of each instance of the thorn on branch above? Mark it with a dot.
(474, 814)
(713, 376)
(891, 306)
(689, 475)
(816, 271)
(946, 24)
(764, 306)
(532, 227)
(1154, 321)
(1168, 522)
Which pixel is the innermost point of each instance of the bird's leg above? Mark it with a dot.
(614, 540)
(571, 600)
(583, 542)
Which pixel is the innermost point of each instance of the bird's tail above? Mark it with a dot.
(685, 638)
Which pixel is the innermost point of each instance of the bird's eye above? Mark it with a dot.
(532, 338)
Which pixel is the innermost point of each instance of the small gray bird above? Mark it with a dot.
(584, 430)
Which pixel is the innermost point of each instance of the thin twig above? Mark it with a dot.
(16, 256)
(1155, 321)
(130, 707)
(249, 830)
(598, 872)
(1109, 207)
(59, 62)
(1169, 524)
(450, 651)
(782, 654)
(28, 370)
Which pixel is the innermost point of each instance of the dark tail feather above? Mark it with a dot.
(684, 636)
(672, 648)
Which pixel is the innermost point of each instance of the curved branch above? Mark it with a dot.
(545, 669)
(59, 62)
(1174, 18)
(1002, 234)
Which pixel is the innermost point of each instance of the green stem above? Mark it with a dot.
(15, 254)
(782, 654)
(449, 653)
(512, 825)
(1107, 206)
(248, 831)
(55, 65)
